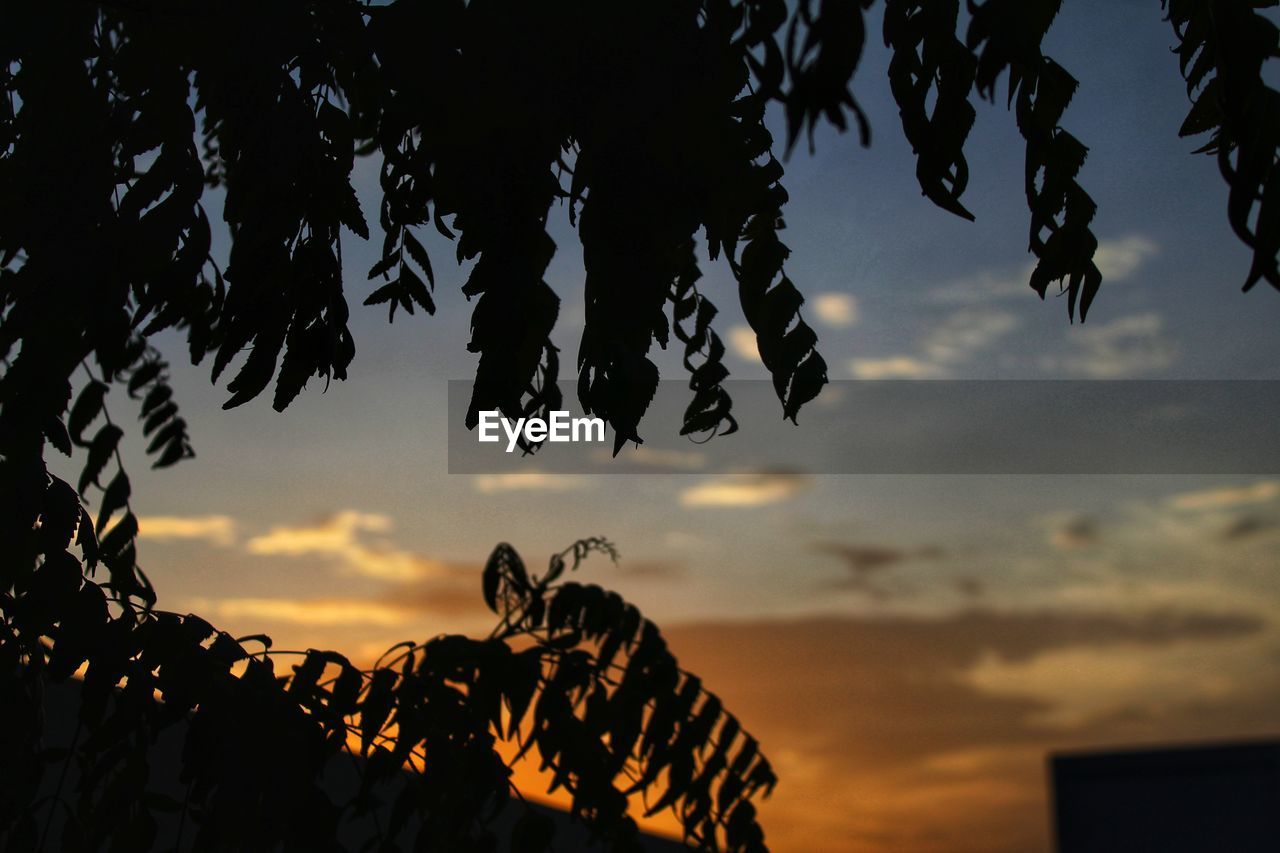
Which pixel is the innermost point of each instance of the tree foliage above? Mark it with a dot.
(125, 122)
(571, 673)
(1222, 49)
(486, 117)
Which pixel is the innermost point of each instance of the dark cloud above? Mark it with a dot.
(862, 559)
(865, 562)
(1246, 527)
(1078, 532)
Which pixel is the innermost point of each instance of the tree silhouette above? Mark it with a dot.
(646, 121)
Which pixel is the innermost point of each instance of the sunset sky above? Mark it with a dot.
(907, 648)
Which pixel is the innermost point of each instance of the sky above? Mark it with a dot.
(908, 649)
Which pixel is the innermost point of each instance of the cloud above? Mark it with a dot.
(984, 287)
(862, 559)
(1125, 347)
(887, 712)
(745, 490)
(830, 396)
(457, 597)
(743, 343)
(1079, 686)
(1246, 527)
(330, 534)
(313, 612)
(1120, 259)
(952, 343)
(865, 562)
(966, 333)
(338, 537)
(655, 457)
(1227, 497)
(682, 540)
(894, 367)
(650, 569)
(1169, 545)
(527, 481)
(457, 594)
(216, 529)
(837, 310)
(1117, 259)
(1078, 531)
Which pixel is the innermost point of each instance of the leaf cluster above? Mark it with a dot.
(123, 121)
(1222, 48)
(572, 675)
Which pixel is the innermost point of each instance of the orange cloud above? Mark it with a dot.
(745, 490)
(216, 529)
(331, 612)
(885, 740)
(338, 537)
(742, 340)
(655, 457)
(1226, 497)
(838, 310)
(527, 481)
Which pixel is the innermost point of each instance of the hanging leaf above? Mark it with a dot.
(87, 407)
(100, 451)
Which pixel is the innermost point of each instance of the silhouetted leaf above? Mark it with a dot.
(56, 432)
(87, 407)
(144, 375)
(100, 451)
(114, 497)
